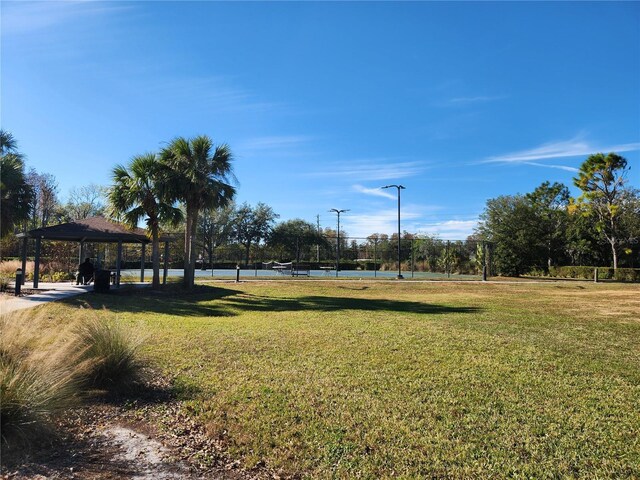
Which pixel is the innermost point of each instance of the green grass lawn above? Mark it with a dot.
(404, 379)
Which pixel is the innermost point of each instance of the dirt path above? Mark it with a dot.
(109, 442)
(149, 459)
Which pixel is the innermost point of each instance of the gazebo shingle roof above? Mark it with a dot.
(92, 229)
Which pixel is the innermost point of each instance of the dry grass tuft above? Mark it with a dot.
(41, 372)
(112, 351)
(46, 367)
(9, 267)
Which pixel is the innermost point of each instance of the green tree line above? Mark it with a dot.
(547, 227)
(188, 186)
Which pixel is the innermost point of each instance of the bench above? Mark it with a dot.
(298, 270)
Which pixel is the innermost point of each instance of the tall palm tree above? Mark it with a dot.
(138, 191)
(8, 144)
(201, 177)
(16, 195)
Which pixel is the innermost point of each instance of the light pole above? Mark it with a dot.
(399, 187)
(338, 239)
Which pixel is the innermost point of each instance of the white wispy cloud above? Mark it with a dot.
(564, 149)
(221, 93)
(364, 222)
(377, 169)
(274, 143)
(381, 221)
(449, 229)
(476, 99)
(29, 17)
(559, 167)
(377, 192)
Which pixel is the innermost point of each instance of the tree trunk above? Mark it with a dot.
(211, 255)
(613, 240)
(192, 256)
(247, 252)
(155, 256)
(187, 250)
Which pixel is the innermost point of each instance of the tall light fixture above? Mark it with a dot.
(338, 240)
(399, 187)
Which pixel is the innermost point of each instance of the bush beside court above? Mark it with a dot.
(404, 379)
(586, 273)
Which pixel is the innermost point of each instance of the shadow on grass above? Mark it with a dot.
(332, 304)
(209, 301)
(172, 300)
(144, 393)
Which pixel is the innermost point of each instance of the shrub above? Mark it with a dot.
(40, 374)
(57, 277)
(9, 267)
(53, 266)
(31, 391)
(604, 273)
(627, 275)
(4, 282)
(45, 368)
(113, 353)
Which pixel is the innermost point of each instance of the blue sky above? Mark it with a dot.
(323, 103)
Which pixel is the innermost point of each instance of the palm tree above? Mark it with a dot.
(138, 192)
(201, 177)
(16, 195)
(8, 144)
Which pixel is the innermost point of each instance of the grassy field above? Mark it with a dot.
(403, 379)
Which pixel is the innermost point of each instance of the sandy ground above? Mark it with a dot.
(138, 441)
(149, 459)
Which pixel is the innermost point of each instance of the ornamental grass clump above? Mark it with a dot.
(9, 267)
(41, 373)
(46, 367)
(113, 351)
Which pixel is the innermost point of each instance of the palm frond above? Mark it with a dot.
(132, 217)
(170, 215)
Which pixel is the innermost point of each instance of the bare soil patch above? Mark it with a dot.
(148, 439)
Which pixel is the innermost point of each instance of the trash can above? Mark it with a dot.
(101, 281)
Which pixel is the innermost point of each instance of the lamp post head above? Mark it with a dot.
(399, 187)
(339, 211)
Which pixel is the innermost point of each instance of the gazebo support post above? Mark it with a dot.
(118, 263)
(142, 252)
(36, 267)
(81, 252)
(166, 263)
(24, 259)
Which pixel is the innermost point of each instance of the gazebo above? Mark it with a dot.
(95, 230)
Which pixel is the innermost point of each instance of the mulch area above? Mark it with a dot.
(10, 292)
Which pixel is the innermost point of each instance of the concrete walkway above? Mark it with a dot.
(48, 292)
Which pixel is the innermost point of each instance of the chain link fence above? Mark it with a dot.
(419, 257)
